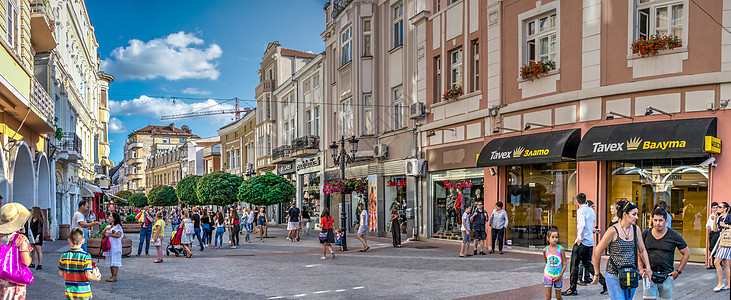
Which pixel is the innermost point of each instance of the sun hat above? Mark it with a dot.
(12, 217)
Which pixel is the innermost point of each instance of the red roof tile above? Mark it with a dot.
(290, 52)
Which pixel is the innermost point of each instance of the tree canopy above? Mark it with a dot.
(162, 196)
(267, 189)
(137, 200)
(186, 190)
(124, 195)
(218, 188)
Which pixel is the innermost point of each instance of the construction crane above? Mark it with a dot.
(236, 110)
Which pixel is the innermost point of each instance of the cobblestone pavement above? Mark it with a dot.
(279, 269)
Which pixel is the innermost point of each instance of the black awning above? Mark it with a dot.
(648, 140)
(543, 147)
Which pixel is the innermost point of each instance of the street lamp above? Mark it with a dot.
(342, 158)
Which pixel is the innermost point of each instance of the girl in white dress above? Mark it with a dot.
(113, 257)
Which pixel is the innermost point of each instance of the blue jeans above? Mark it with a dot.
(219, 237)
(198, 235)
(86, 236)
(248, 230)
(145, 235)
(206, 232)
(175, 227)
(615, 290)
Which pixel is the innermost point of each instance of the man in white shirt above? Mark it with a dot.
(79, 221)
(584, 244)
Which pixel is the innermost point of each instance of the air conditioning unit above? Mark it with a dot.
(414, 167)
(417, 110)
(380, 151)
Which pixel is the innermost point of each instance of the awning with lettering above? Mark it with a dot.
(683, 138)
(553, 146)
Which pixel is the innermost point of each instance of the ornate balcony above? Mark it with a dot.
(265, 86)
(280, 155)
(41, 26)
(40, 99)
(69, 147)
(306, 146)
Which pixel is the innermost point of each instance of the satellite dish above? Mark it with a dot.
(185, 128)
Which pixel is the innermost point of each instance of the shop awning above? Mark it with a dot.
(554, 146)
(650, 140)
(89, 190)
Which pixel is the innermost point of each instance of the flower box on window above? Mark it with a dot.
(536, 69)
(452, 93)
(650, 46)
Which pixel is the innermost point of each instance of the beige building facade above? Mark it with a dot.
(238, 144)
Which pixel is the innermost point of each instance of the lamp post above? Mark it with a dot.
(342, 158)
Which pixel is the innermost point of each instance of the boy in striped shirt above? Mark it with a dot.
(76, 268)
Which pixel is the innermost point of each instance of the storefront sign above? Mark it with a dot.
(309, 163)
(650, 140)
(396, 182)
(713, 144)
(554, 146)
(285, 169)
(460, 184)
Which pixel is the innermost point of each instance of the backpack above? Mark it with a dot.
(189, 228)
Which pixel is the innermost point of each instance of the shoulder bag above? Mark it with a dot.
(629, 274)
(12, 269)
(189, 227)
(725, 238)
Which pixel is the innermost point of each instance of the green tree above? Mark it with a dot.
(124, 195)
(218, 188)
(267, 189)
(138, 200)
(186, 190)
(162, 196)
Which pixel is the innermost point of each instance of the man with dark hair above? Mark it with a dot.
(79, 221)
(712, 235)
(498, 223)
(661, 242)
(584, 245)
(478, 219)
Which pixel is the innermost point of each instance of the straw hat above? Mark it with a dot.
(12, 217)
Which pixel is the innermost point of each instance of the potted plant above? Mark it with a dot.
(94, 243)
(453, 93)
(536, 69)
(130, 224)
(652, 45)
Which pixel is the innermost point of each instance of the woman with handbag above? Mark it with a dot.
(12, 218)
(327, 236)
(722, 250)
(158, 233)
(113, 257)
(623, 275)
(188, 232)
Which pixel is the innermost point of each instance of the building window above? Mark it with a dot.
(398, 107)
(347, 116)
(366, 37)
(293, 131)
(316, 131)
(541, 38)
(438, 79)
(286, 132)
(308, 118)
(438, 5)
(268, 107)
(398, 25)
(455, 66)
(12, 24)
(659, 18)
(475, 65)
(182, 140)
(285, 101)
(269, 144)
(345, 46)
(316, 81)
(367, 114)
(165, 140)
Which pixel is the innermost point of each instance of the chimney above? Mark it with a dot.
(172, 126)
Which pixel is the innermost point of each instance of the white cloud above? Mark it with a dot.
(177, 56)
(158, 107)
(116, 126)
(195, 91)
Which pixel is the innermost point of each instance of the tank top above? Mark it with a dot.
(554, 263)
(621, 253)
(262, 219)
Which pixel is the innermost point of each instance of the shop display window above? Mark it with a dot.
(540, 197)
(681, 183)
(311, 196)
(453, 191)
(395, 194)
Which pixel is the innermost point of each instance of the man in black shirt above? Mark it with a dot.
(293, 223)
(197, 224)
(661, 242)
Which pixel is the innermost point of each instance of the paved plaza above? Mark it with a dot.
(279, 269)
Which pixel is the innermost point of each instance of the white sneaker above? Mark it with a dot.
(718, 289)
(289, 239)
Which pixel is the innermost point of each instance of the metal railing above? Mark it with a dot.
(281, 152)
(40, 99)
(69, 142)
(306, 142)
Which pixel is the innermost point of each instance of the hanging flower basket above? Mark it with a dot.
(652, 45)
(346, 186)
(536, 69)
(453, 93)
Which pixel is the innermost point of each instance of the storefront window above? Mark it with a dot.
(540, 197)
(395, 193)
(452, 192)
(681, 183)
(311, 195)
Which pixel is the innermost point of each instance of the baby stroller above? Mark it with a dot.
(174, 245)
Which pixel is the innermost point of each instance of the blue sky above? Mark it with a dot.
(162, 52)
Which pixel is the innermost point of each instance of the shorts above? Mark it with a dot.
(466, 237)
(363, 230)
(664, 290)
(479, 234)
(548, 282)
(262, 223)
(293, 225)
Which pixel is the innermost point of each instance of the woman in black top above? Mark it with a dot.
(36, 229)
(206, 227)
(395, 228)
